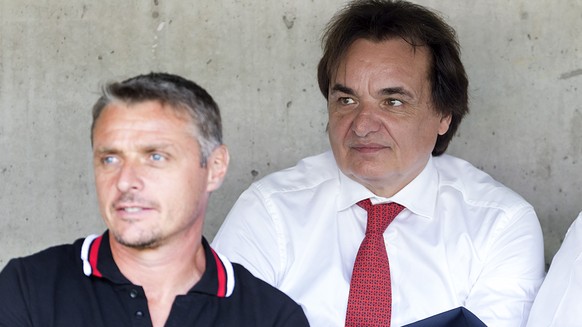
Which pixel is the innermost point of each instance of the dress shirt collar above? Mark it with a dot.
(419, 196)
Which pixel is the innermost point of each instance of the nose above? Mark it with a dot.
(366, 121)
(129, 178)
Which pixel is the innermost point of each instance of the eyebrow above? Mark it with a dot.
(396, 90)
(145, 148)
(343, 89)
(385, 91)
(105, 150)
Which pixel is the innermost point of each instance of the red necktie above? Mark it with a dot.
(370, 299)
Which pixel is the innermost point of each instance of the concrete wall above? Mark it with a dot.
(258, 59)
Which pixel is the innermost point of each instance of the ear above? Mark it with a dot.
(444, 124)
(217, 165)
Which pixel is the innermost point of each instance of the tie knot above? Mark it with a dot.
(380, 215)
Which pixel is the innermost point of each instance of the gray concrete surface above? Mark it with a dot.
(258, 59)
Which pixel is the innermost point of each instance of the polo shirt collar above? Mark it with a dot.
(217, 280)
(419, 196)
(218, 277)
(98, 259)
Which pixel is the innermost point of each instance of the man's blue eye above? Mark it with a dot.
(157, 157)
(109, 160)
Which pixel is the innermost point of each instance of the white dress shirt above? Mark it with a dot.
(463, 240)
(559, 302)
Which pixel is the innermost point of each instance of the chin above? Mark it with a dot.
(140, 242)
(369, 172)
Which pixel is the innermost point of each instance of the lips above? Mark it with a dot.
(132, 209)
(132, 203)
(368, 148)
(132, 212)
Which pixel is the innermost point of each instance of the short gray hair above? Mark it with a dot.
(179, 94)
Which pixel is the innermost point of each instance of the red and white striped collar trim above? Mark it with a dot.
(224, 269)
(225, 274)
(89, 254)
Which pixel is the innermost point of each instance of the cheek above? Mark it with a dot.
(423, 140)
(335, 138)
(103, 182)
(191, 181)
(339, 126)
(100, 183)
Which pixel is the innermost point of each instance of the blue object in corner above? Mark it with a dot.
(459, 317)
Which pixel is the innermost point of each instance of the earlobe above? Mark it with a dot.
(217, 167)
(444, 124)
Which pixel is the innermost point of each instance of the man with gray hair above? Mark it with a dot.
(157, 155)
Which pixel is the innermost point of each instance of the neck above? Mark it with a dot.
(164, 272)
(166, 264)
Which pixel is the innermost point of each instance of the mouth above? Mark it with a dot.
(368, 148)
(131, 209)
(132, 214)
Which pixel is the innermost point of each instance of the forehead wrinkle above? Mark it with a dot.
(142, 139)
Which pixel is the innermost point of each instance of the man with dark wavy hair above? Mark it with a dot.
(396, 92)
(157, 155)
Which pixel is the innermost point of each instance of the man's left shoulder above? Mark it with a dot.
(253, 288)
(262, 297)
(476, 186)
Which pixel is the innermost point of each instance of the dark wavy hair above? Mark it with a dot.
(380, 20)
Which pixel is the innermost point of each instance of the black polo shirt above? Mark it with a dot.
(79, 284)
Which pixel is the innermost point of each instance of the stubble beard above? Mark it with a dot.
(145, 239)
(143, 242)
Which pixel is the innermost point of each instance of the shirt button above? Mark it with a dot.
(133, 294)
(139, 314)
